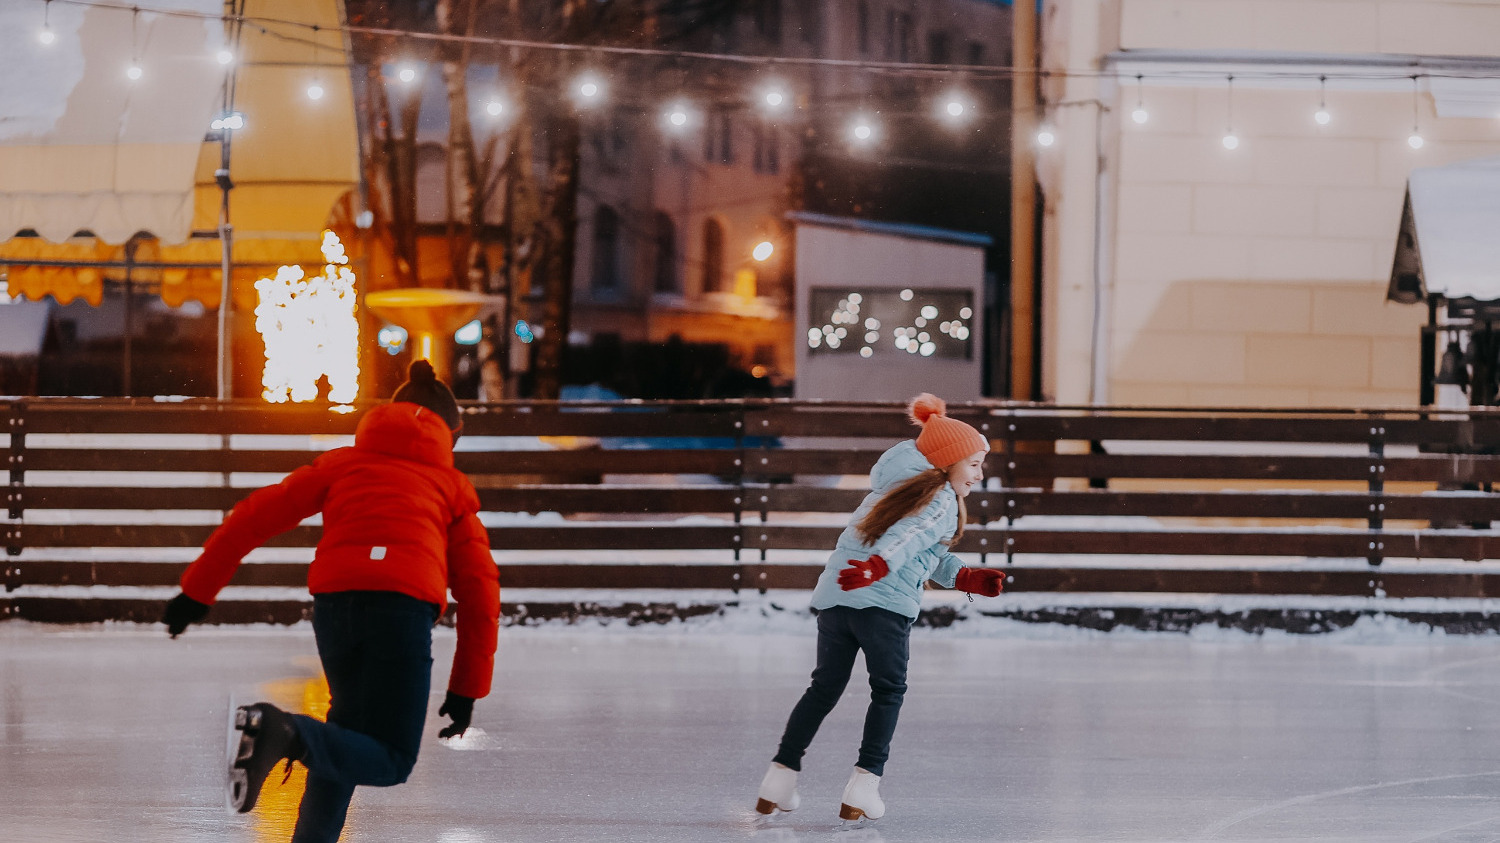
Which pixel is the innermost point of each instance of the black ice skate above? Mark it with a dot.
(267, 735)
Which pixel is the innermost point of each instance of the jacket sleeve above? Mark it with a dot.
(267, 512)
(946, 572)
(917, 532)
(475, 582)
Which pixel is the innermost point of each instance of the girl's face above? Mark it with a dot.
(963, 474)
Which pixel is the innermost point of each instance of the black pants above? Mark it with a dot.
(376, 649)
(885, 638)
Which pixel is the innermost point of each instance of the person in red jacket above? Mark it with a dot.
(400, 531)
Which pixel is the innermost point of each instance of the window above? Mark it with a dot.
(898, 35)
(767, 150)
(862, 27)
(976, 52)
(665, 280)
(768, 19)
(606, 260)
(718, 138)
(812, 21)
(939, 48)
(713, 256)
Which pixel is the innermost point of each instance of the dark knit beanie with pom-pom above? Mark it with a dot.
(423, 388)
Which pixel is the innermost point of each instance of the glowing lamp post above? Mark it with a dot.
(430, 316)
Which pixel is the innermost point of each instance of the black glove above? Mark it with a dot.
(181, 611)
(461, 709)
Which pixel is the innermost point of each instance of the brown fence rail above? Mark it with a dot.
(737, 495)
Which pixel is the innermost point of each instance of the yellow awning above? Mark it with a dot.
(293, 162)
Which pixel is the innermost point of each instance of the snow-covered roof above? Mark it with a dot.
(1449, 243)
(893, 229)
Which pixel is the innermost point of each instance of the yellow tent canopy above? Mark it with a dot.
(92, 152)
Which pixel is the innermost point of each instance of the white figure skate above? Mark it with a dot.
(778, 790)
(862, 797)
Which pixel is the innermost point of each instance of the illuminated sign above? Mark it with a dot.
(310, 330)
(890, 322)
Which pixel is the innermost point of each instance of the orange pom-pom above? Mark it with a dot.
(925, 406)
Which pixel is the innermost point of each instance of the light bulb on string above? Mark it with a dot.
(679, 116)
(315, 90)
(1046, 136)
(407, 73)
(588, 89)
(1139, 115)
(772, 96)
(45, 34)
(956, 108)
(495, 107)
(133, 71)
(1321, 115)
(862, 129)
(1415, 140)
(1231, 141)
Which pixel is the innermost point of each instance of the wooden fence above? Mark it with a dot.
(751, 495)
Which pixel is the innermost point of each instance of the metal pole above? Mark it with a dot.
(129, 317)
(1023, 203)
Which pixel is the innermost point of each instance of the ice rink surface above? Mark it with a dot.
(116, 733)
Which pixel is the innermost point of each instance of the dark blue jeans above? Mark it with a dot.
(376, 648)
(885, 638)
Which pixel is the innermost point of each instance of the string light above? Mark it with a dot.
(1322, 115)
(1231, 140)
(315, 90)
(862, 130)
(588, 89)
(45, 34)
(1415, 141)
(134, 71)
(679, 116)
(956, 108)
(1139, 115)
(771, 97)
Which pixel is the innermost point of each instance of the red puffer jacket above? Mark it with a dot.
(397, 516)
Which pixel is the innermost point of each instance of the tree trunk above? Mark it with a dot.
(561, 231)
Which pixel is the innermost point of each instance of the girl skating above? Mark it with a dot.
(400, 531)
(870, 593)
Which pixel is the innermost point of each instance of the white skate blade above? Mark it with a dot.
(863, 822)
(231, 748)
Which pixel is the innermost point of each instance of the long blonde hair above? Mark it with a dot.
(912, 496)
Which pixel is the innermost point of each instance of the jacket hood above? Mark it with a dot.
(898, 465)
(408, 431)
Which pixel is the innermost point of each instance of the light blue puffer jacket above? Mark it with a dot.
(915, 547)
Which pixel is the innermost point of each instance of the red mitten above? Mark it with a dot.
(986, 582)
(861, 574)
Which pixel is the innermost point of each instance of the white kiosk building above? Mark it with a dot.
(885, 311)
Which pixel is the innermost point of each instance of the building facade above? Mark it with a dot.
(1181, 271)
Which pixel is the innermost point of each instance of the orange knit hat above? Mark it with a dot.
(943, 441)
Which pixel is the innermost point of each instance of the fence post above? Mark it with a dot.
(1007, 482)
(15, 495)
(739, 501)
(1377, 491)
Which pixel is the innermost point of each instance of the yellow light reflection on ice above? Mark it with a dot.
(310, 330)
(275, 812)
